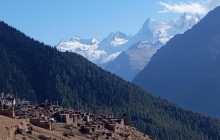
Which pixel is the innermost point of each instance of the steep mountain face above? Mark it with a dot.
(37, 72)
(186, 69)
(152, 36)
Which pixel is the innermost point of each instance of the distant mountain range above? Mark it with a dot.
(186, 70)
(36, 72)
(137, 49)
(152, 36)
(97, 52)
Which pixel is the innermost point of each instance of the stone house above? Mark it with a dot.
(88, 129)
(47, 124)
(111, 126)
(8, 111)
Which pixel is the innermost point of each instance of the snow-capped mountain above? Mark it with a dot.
(113, 41)
(84, 47)
(98, 52)
(113, 45)
(154, 33)
(162, 31)
(152, 36)
(186, 70)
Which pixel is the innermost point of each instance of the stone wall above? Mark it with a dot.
(41, 123)
(7, 111)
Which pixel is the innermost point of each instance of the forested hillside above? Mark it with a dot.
(186, 70)
(29, 69)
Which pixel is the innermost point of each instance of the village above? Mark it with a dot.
(71, 124)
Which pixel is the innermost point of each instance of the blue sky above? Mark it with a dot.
(49, 21)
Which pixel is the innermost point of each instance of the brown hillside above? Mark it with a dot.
(9, 127)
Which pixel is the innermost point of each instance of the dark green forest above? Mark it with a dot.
(186, 70)
(34, 71)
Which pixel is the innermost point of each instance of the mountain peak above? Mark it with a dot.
(75, 38)
(152, 24)
(185, 21)
(114, 40)
(117, 34)
(156, 32)
(152, 36)
(188, 16)
(92, 41)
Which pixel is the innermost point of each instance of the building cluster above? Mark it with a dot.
(54, 117)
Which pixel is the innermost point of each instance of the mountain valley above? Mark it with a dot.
(37, 72)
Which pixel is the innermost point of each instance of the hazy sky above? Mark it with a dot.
(49, 21)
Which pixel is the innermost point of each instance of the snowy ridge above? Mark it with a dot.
(153, 35)
(84, 47)
(95, 51)
(110, 57)
(118, 42)
(155, 32)
(163, 31)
